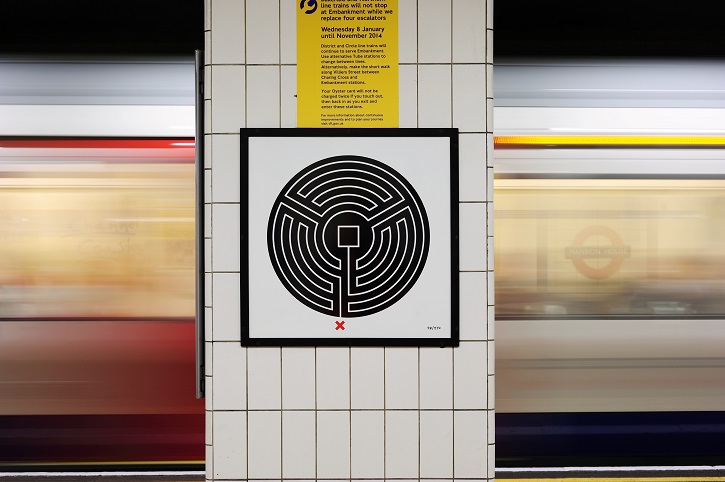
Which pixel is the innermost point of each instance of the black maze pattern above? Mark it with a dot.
(348, 236)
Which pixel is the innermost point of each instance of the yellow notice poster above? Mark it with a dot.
(347, 63)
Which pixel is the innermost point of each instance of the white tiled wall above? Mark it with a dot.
(349, 413)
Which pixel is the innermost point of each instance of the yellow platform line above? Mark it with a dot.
(604, 140)
(622, 479)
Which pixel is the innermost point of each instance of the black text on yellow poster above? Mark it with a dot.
(347, 63)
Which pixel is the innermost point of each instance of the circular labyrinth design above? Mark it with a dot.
(348, 236)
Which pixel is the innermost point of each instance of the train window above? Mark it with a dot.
(604, 245)
(97, 228)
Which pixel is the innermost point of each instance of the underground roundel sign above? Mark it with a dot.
(349, 237)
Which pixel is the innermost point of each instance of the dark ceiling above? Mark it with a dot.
(522, 28)
(609, 28)
(102, 27)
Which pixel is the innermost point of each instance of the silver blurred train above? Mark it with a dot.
(609, 204)
(97, 279)
(609, 200)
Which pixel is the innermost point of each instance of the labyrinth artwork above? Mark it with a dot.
(348, 236)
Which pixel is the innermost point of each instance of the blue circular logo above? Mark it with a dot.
(310, 4)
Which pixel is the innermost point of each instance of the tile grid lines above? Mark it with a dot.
(208, 381)
(491, 369)
(349, 401)
(246, 351)
(317, 421)
(350, 368)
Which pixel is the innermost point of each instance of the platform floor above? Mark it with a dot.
(614, 474)
(610, 474)
(102, 477)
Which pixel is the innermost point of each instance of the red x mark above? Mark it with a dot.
(339, 325)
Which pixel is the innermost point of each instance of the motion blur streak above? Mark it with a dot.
(97, 303)
(609, 208)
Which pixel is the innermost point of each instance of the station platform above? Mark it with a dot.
(195, 476)
(578, 474)
(613, 474)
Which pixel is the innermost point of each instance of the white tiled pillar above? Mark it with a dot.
(349, 413)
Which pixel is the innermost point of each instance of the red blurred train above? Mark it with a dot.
(97, 278)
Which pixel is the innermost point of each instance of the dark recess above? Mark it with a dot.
(612, 28)
(84, 27)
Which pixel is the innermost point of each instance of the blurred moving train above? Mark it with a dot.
(609, 256)
(609, 199)
(97, 278)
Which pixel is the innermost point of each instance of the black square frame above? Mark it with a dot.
(324, 181)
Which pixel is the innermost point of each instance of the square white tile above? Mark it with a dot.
(489, 14)
(288, 31)
(225, 174)
(489, 184)
(489, 89)
(225, 238)
(491, 325)
(298, 378)
(472, 236)
(333, 378)
(208, 358)
(434, 31)
(263, 96)
(489, 113)
(209, 462)
(472, 167)
(230, 445)
(288, 106)
(208, 428)
(298, 444)
(436, 378)
(207, 226)
(490, 220)
(407, 31)
(471, 447)
(469, 31)
(209, 394)
(367, 439)
(491, 357)
(491, 290)
(225, 302)
(333, 444)
(408, 96)
(262, 31)
(208, 140)
(473, 311)
(264, 382)
(367, 382)
(469, 97)
(264, 445)
(489, 46)
(207, 15)
(436, 444)
(401, 444)
(434, 96)
(208, 324)
(227, 32)
(227, 105)
(401, 378)
(207, 117)
(230, 379)
(470, 390)
(207, 76)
